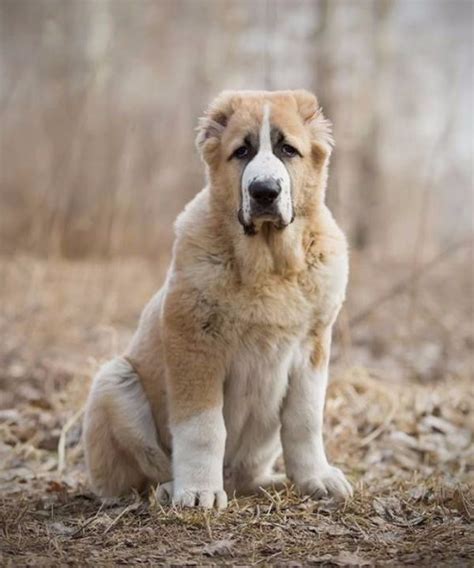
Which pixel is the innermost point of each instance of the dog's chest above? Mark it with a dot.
(255, 386)
(275, 309)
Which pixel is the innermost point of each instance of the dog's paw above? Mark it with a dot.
(204, 498)
(164, 493)
(329, 482)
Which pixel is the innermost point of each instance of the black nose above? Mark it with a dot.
(265, 191)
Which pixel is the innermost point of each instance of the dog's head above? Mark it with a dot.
(267, 154)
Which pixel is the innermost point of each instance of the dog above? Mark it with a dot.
(229, 364)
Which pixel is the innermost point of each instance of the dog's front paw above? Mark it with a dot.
(204, 498)
(329, 482)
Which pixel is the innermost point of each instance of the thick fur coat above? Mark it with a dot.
(229, 364)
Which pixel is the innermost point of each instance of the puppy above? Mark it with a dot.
(229, 364)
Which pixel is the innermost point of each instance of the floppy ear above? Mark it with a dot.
(320, 127)
(212, 125)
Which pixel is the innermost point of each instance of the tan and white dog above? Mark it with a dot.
(229, 364)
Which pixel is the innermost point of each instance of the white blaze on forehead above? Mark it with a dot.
(266, 166)
(265, 134)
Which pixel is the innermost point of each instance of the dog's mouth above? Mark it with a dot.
(262, 216)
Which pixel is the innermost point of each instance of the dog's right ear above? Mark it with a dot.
(319, 127)
(212, 125)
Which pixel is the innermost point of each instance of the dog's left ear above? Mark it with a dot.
(212, 125)
(319, 126)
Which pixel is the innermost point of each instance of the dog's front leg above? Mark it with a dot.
(302, 425)
(198, 455)
(195, 377)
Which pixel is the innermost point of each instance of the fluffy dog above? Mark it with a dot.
(229, 364)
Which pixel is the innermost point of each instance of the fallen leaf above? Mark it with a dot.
(392, 511)
(60, 528)
(56, 486)
(218, 548)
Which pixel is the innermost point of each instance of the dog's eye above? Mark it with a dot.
(289, 151)
(241, 152)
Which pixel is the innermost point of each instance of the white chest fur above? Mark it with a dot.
(255, 386)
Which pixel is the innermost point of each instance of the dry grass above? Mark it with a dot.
(399, 422)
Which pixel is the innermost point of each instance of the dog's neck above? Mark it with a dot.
(269, 252)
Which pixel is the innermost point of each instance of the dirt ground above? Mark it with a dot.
(399, 423)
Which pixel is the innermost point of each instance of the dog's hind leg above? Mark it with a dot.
(121, 443)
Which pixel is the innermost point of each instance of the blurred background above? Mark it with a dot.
(99, 100)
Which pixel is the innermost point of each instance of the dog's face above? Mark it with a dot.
(267, 155)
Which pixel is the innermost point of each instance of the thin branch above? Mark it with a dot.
(62, 439)
(407, 283)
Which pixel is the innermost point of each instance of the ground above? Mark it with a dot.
(398, 422)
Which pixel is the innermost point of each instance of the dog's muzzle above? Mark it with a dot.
(266, 193)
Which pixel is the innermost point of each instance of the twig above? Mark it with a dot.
(208, 527)
(405, 284)
(62, 439)
(88, 521)
(119, 516)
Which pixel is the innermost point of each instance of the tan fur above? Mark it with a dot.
(228, 293)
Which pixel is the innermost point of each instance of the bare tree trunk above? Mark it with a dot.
(369, 187)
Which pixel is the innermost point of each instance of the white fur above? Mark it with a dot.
(263, 166)
(302, 431)
(266, 389)
(257, 380)
(198, 454)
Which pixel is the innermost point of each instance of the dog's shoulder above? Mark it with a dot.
(327, 264)
(200, 268)
(324, 240)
